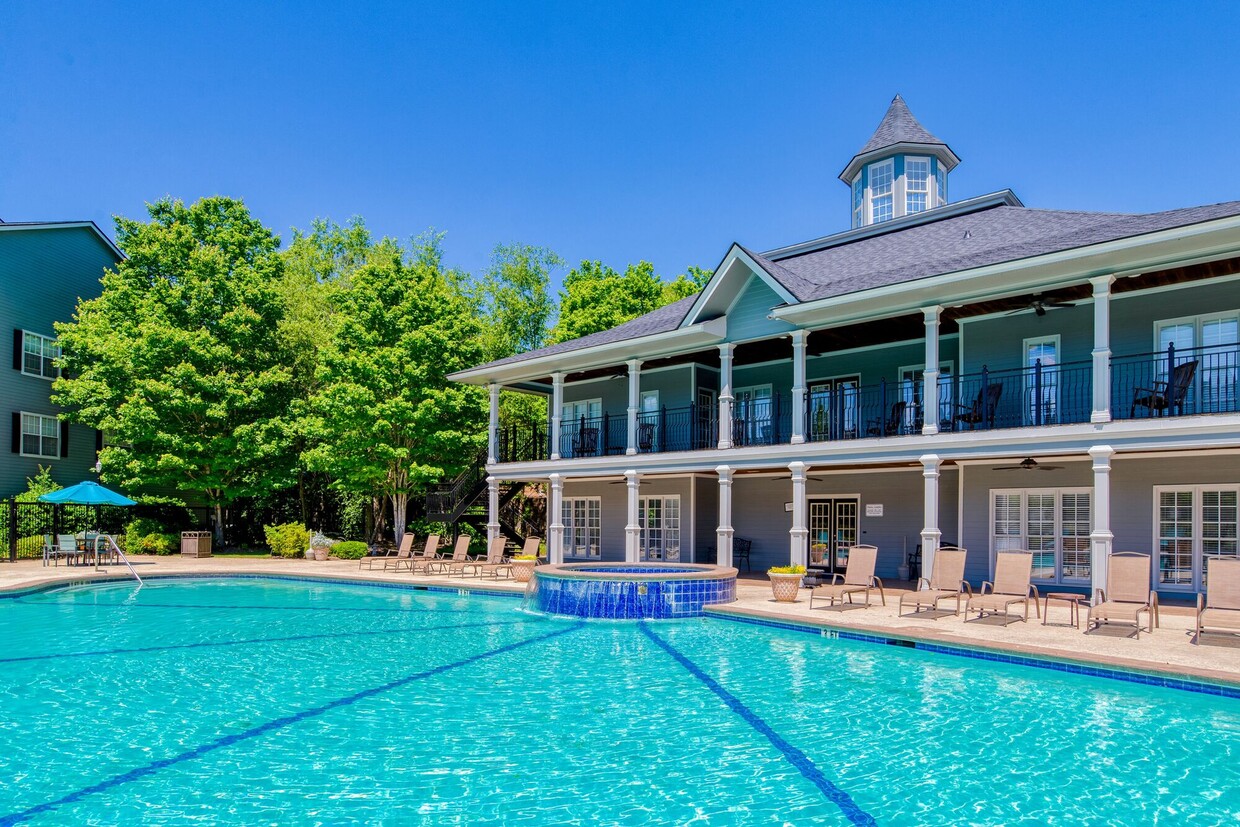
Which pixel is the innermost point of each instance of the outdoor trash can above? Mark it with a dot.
(195, 544)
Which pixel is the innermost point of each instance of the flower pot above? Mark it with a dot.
(321, 553)
(309, 554)
(523, 570)
(785, 586)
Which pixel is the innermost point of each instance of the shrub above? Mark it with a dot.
(786, 570)
(349, 550)
(147, 536)
(288, 540)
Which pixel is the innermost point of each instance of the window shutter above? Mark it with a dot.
(64, 439)
(18, 344)
(17, 432)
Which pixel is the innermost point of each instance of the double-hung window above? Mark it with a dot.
(659, 518)
(940, 180)
(40, 436)
(1052, 523)
(858, 200)
(916, 185)
(582, 518)
(39, 355)
(882, 188)
(1192, 525)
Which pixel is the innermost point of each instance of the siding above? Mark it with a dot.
(674, 386)
(44, 272)
(748, 317)
(1132, 319)
(613, 392)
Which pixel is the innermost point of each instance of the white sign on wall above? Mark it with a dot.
(873, 509)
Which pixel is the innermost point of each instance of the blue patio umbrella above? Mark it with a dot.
(86, 493)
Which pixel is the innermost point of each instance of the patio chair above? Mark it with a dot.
(495, 563)
(1127, 594)
(394, 560)
(946, 581)
(1218, 610)
(1165, 397)
(450, 565)
(1013, 570)
(67, 547)
(982, 411)
(429, 553)
(645, 436)
(532, 548)
(377, 553)
(893, 425)
(741, 549)
(858, 577)
(52, 551)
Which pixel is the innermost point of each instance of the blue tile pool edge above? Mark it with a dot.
(25, 591)
(1150, 678)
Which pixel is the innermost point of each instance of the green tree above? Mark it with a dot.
(180, 358)
(385, 418)
(595, 297)
(516, 298)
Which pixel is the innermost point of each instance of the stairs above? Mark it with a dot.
(464, 500)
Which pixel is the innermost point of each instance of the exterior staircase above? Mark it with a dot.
(464, 500)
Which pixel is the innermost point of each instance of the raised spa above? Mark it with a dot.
(630, 591)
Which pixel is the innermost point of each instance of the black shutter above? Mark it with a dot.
(64, 439)
(17, 432)
(18, 344)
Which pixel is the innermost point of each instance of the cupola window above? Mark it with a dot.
(916, 184)
(882, 181)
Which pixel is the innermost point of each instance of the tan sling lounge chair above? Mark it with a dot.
(494, 563)
(1127, 594)
(858, 577)
(946, 580)
(454, 564)
(1218, 610)
(394, 560)
(430, 551)
(1013, 569)
(531, 548)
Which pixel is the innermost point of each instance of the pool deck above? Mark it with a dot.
(1169, 650)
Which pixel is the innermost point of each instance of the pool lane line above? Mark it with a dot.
(271, 726)
(218, 643)
(803, 763)
(238, 607)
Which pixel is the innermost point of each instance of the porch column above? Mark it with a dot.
(725, 401)
(799, 533)
(635, 392)
(555, 519)
(1101, 540)
(799, 340)
(632, 530)
(1102, 349)
(557, 412)
(930, 534)
(723, 534)
(492, 508)
(493, 425)
(930, 376)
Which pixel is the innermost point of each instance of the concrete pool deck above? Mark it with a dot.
(1169, 650)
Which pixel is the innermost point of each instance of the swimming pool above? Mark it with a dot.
(246, 701)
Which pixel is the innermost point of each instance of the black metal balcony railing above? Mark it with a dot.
(764, 421)
(856, 411)
(523, 442)
(691, 428)
(1018, 398)
(594, 436)
(1176, 382)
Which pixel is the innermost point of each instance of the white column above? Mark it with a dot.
(930, 534)
(632, 529)
(800, 339)
(1102, 349)
(555, 519)
(723, 534)
(725, 400)
(635, 392)
(799, 533)
(930, 377)
(1101, 540)
(493, 425)
(557, 412)
(492, 508)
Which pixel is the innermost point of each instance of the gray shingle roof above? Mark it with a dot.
(898, 126)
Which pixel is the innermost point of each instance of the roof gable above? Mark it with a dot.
(730, 280)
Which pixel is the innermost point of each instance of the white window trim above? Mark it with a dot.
(1059, 579)
(570, 528)
(22, 436)
(929, 181)
(586, 402)
(643, 509)
(1198, 539)
(1196, 321)
(45, 338)
(870, 194)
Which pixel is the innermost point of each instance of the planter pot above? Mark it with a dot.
(902, 572)
(309, 554)
(321, 553)
(523, 570)
(785, 586)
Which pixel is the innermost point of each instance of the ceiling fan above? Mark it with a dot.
(1028, 464)
(1039, 304)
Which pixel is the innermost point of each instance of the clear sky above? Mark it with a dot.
(617, 131)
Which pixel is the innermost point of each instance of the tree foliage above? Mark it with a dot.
(515, 294)
(595, 297)
(180, 358)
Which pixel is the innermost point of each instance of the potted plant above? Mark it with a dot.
(785, 582)
(321, 545)
(523, 567)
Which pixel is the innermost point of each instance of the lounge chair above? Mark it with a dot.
(419, 562)
(393, 560)
(1218, 610)
(1013, 570)
(1165, 397)
(894, 424)
(454, 564)
(946, 580)
(532, 548)
(53, 552)
(495, 563)
(1127, 594)
(858, 577)
(377, 554)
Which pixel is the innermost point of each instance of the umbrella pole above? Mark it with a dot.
(96, 540)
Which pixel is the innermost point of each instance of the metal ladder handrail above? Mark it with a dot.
(120, 554)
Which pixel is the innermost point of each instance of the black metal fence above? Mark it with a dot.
(27, 524)
(523, 442)
(1176, 382)
(1021, 397)
(762, 421)
(690, 428)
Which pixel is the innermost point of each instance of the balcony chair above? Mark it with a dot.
(585, 444)
(894, 423)
(645, 436)
(982, 411)
(1165, 397)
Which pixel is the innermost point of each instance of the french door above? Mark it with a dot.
(833, 408)
(659, 518)
(1192, 526)
(833, 531)
(751, 415)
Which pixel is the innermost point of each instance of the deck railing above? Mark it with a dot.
(765, 421)
(1022, 397)
(1176, 382)
(523, 442)
(858, 411)
(690, 428)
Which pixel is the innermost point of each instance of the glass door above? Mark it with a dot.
(751, 415)
(1042, 380)
(833, 530)
(833, 408)
(707, 411)
(659, 518)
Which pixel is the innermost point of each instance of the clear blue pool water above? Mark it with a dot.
(277, 702)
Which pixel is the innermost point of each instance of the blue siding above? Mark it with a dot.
(748, 317)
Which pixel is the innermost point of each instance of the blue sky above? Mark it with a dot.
(616, 131)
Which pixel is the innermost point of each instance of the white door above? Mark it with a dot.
(1042, 386)
(659, 518)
